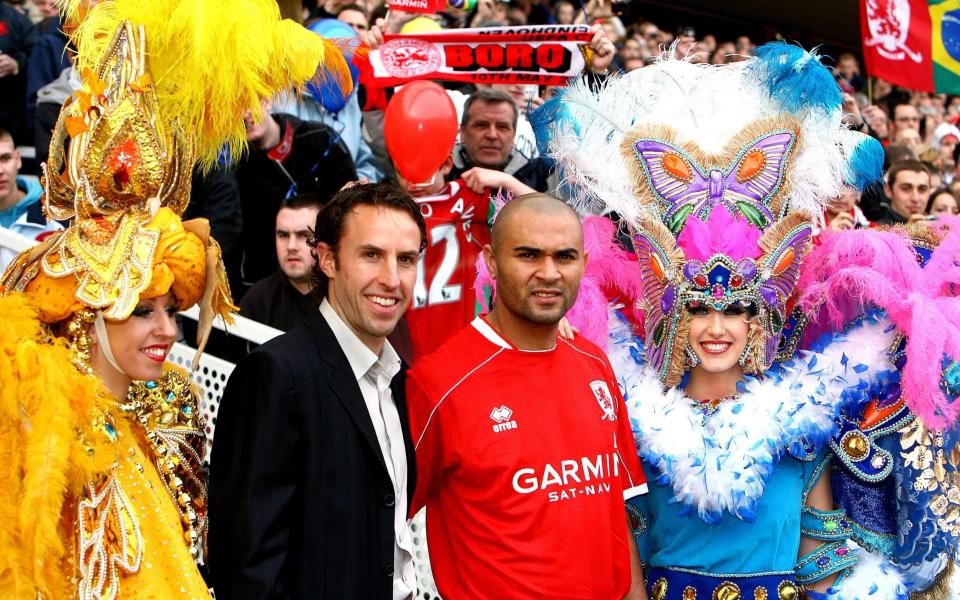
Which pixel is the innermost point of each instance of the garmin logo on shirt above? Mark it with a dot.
(574, 477)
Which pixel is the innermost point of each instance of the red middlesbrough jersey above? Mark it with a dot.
(524, 460)
(443, 298)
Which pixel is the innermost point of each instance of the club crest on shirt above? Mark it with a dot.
(605, 399)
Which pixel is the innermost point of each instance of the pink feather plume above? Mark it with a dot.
(853, 271)
(610, 269)
(721, 233)
(484, 286)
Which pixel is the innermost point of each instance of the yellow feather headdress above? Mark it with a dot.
(211, 60)
(166, 84)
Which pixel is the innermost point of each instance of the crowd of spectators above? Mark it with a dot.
(302, 148)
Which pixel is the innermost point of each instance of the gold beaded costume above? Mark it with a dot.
(104, 497)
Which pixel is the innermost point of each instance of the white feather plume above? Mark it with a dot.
(708, 105)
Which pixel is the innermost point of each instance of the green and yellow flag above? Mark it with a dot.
(913, 43)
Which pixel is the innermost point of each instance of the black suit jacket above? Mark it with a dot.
(301, 503)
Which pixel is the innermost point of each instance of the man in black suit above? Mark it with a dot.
(312, 470)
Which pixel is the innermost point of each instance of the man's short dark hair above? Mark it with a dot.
(905, 165)
(305, 200)
(895, 98)
(903, 102)
(895, 153)
(488, 96)
(331, 220)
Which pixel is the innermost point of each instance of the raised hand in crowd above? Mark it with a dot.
(602, 50)
(393, 23)
(373, 37)
(876, 119)
(843, 222)
(479, 179)
(598, 8)
(8, 65)
(851, 112)
(486, 10)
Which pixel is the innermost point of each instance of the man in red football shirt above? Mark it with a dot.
(456, 215)
(524, 449)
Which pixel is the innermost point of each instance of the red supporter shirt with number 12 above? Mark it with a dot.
(443, 298)
(524, 460)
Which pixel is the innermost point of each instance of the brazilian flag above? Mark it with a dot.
(913, 43)
(945, 44)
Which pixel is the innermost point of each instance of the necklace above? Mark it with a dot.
(167, 411)
(712, 405)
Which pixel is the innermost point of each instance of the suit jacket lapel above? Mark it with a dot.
(398, 387)
(343, 384)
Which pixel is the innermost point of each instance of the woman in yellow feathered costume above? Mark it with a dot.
(102, 489)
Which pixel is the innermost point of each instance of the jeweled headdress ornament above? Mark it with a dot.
(722, 169)
(114, 164)
(165, 84)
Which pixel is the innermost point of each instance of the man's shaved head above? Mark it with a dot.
(536, 256)
(524, 210)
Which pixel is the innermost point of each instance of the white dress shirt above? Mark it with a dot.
(373, 375)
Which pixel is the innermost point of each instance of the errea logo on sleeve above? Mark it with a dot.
(501, 416)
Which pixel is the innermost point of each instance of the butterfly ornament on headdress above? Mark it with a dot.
(718, 234)
(745, 186)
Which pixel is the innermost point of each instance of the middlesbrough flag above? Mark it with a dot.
(913, 43)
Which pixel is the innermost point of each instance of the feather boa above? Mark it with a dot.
(722, 462)
(873, 578)
(857, 270)
(44, 403)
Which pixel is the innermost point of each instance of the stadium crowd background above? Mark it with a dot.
(918, 129)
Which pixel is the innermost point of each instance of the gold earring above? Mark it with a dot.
(80, 342)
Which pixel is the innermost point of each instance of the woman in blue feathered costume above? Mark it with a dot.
(793, 403)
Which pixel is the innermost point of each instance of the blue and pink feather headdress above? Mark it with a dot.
(720, 172)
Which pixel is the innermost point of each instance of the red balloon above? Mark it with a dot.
(420, 127)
